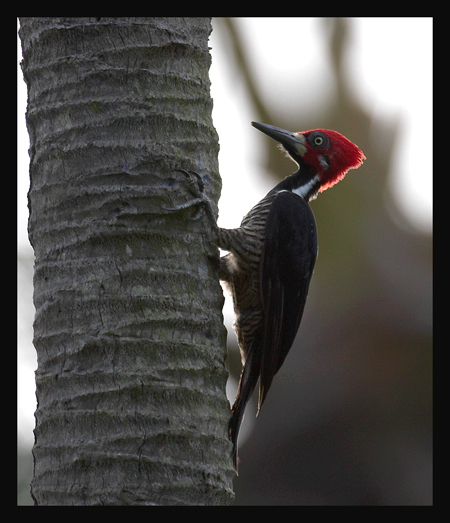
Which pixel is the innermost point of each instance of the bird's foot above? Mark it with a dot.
(197, 185)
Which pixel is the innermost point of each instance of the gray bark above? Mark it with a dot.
(128, 328)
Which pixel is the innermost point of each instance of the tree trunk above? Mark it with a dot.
(128, 329)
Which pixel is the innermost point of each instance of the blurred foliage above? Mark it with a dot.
(349, 417)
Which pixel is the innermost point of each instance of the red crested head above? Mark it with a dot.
(328, 154)
(331, 155)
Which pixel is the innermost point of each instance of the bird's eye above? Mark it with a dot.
(318, 140)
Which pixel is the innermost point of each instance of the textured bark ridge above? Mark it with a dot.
(128, 327)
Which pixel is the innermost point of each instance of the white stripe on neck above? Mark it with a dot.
(303, 190)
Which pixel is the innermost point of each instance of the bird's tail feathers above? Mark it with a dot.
(247, 383)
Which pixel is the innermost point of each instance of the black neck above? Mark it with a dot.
(303, 182)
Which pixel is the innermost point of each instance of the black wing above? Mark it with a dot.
(287, 264)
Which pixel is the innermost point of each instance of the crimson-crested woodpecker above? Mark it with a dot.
(272, 255)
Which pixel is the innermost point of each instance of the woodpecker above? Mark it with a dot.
(272, 256)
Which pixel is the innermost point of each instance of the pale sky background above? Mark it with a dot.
(391, 68)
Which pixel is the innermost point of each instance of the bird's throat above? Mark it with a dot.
(309, 189)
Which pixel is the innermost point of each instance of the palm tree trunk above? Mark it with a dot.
(128, 328)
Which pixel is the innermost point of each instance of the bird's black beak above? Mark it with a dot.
(292, 142)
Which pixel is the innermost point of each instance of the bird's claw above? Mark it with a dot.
(189, 175)
(197, 186)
